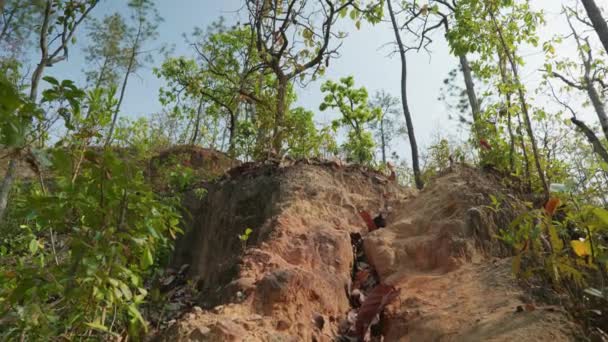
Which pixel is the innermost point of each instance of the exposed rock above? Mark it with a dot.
(297, 276)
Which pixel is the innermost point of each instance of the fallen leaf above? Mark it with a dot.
(581, 248)
(374, 303)
(551, 206)
(371, 226)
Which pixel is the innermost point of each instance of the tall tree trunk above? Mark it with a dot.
(279, 117)
(197, 123)
(524, 107)
(7, 184)
(125, 81)
(471, 94)
(104, 66)
(383, 140)
(406, 109)
(527, 172)
(599, 23)
(232, 134)
(598, 105)
(505, 80)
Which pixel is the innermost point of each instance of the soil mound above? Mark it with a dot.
(295, 276)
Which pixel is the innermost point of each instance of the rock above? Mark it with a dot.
(318, 320)
(200, 334)
(283, 325)
(226, 330)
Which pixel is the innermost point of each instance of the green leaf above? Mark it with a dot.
(134, 312)
(97, 326)
(602, 214)
(33, 246)
(147, 259)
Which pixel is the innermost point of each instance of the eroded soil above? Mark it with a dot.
(293, 279)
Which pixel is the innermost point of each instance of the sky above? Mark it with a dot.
(364, 55)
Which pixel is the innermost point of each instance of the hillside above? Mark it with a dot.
(292, 279)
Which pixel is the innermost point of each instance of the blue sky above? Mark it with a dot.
(362, 57)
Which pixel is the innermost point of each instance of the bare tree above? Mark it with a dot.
(591, 75)
(406, 108)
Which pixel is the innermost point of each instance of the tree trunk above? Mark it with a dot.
(471, 94)
(527, 172)
(592, 138)
(598, 105)
(383, 140)
(505, 80)
(528, 124)
(232, 134)
(7, 185)
(406, 109)
(197, 123)
(599, 23)
(279, 117)
(101, 73)
(124, 85)
(524, 107)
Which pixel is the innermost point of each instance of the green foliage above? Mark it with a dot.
(352, 103)
(87, 247)
(108, 38)
(543, 242)
(303, 138)
(81, 246)
(18, 26)
(16, 115)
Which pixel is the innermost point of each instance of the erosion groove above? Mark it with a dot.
(311, 260)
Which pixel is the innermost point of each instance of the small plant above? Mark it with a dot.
(245, 237)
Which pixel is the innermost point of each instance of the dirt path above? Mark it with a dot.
(452, 288)
(294, 281)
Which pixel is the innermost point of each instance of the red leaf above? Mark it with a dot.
(484, 143)
(374, 303)
(551, 206)
(371, 226)
(361, 278)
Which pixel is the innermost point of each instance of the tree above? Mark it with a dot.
(404, 101)
(224, 80)
(293, 39)
(491, 28)
(422, 19)
(18, 20)
(353, 104)
(145, 29)
(106, 50)
(388, 126)
(593, 71)
(56, 33)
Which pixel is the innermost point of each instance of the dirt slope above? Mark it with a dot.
(291, 282)
(437, 250)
